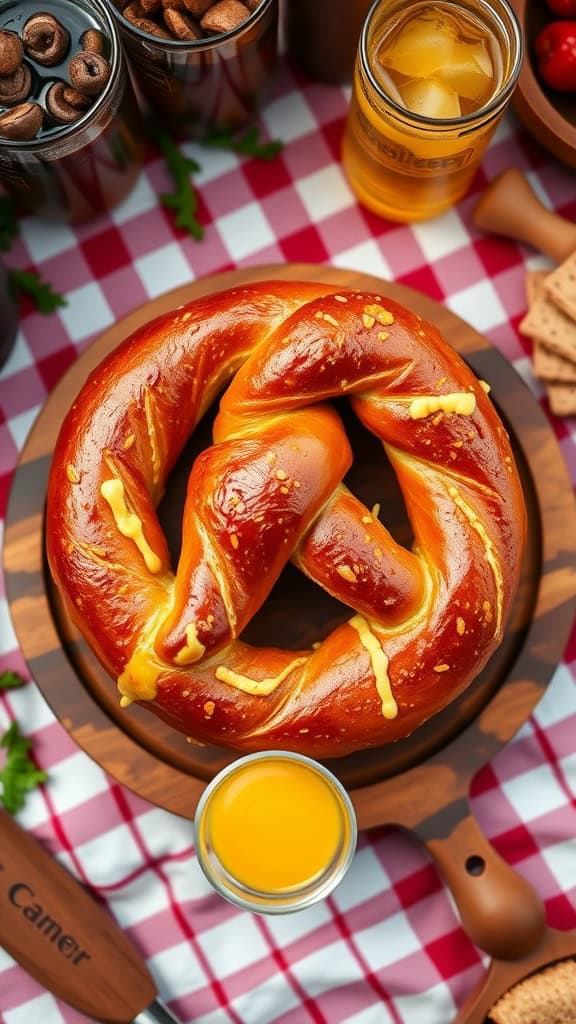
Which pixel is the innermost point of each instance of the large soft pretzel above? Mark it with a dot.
(424, 622)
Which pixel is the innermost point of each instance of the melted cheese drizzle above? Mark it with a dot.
(139, 678)
(128, 523)
(379, 662)
(256, 687)
(461, 402)
(152, 437)
(491, 556)
(193, 649)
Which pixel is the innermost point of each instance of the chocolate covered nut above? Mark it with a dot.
(16, 88)
(65, 104)
(11, 53)
(45, 40)
(181, 25)
(224, 16)
(198, 8)
(22, 123)
(93, 40)
(89, 72)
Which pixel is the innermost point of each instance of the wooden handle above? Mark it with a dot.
(509, 207)
(500, 911)
(56, 932)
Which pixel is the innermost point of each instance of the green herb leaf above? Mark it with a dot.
(183, 201)
(10, 680)
(9, 226)
(248, 144)
(19, 774)
(42, 294)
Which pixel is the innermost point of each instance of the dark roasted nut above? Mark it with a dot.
(93, 40)
(133, 11)
(16, 88)
(198, 8)
(22, 123)
(224, 16)
(11, 52)
(150, 7)
(147, 25)
(252, 4)
(75, 99)
(175, 5)
(64, 104)
(89, 73)
(181, 25)
(45, 40)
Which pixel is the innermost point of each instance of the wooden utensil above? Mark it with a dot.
(420, 783)
(510, 207)
(52, 927)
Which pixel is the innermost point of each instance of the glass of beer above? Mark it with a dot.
(431, 83)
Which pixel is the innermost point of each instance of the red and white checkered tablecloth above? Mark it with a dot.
(386, 947)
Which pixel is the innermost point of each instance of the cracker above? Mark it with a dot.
(553, 328)
(561, 286)
(562, 398)
(548, 997)
(534, 282)
(550, 366)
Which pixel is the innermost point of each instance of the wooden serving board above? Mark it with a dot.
(408, 783)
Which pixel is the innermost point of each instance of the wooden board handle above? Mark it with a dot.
(499, 910)
(59, 934)
(510, 207)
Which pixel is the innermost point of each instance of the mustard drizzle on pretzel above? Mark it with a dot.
(379, 662)
(341, 350)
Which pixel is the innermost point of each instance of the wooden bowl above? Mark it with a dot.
(550, 116)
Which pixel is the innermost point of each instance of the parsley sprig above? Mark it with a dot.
(19, 774)
(247, 145)
(183, 201)
(41, 292)
(10, 680)
(29, 282)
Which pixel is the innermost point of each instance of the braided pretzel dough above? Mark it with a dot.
(424, 621)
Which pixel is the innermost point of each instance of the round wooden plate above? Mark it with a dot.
(407, 783)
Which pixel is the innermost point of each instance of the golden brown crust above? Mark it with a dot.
(269, 490)
(548, 997)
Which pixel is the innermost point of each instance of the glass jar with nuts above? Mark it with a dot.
(200, 65)
(71, 137)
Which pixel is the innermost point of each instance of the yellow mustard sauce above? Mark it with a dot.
(275, 825)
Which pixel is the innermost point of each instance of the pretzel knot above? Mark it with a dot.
(423, 622)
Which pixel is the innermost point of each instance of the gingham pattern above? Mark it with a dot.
(386, 948)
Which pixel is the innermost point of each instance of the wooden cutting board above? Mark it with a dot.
(407, 783)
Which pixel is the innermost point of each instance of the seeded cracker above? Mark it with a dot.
(558, 373)
(534, 284)
(562, 398)
(552, 368)
(547, 365)
(551, 327)
(561, 286)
